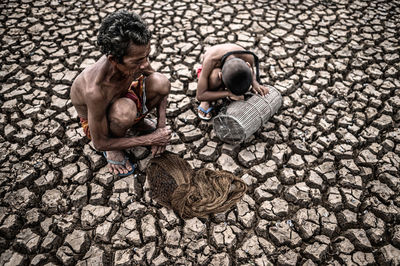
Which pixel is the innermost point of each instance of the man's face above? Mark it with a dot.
(136, 60)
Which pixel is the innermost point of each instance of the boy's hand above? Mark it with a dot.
(234, 97)
(259, 89)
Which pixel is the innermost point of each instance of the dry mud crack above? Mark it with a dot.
(323, 174)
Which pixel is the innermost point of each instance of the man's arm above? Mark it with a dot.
(161, 112)
(161, 108)
(161, 123)
(98, 125)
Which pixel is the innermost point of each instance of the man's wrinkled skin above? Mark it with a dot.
(98, 96)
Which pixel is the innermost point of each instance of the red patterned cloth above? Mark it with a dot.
(199, 71)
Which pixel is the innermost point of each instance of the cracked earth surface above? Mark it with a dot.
(323, 173)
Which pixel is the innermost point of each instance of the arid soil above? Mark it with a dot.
(322, 174)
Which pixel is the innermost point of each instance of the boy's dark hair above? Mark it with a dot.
(118, 30)
(237, 76)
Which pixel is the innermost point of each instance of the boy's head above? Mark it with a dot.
(237, 76)
(119, 30)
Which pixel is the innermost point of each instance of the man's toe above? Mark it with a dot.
(128, 167)
(110, 168)
(123, 170)
(115, 171)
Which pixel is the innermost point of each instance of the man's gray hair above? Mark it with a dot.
(118, 30)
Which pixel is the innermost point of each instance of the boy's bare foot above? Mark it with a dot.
(204, 111)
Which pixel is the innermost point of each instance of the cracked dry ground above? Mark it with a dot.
(323, 174)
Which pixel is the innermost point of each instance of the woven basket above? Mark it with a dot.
(243, 118)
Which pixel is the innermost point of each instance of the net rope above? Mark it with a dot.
(174, 184)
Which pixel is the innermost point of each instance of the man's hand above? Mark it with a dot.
(259, 89)
(163, 135)
(157, 150)
(160, 137)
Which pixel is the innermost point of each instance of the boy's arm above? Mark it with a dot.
(255, 86)
(203, 93)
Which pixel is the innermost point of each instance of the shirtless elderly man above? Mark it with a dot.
(117, 92)
(226, 71)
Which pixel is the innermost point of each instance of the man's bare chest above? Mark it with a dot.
(118, 90)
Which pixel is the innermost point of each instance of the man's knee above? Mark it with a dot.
(158, 84)
(122, 112)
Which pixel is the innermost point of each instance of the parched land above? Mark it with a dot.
(323, 174)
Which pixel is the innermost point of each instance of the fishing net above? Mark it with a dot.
(174, 184)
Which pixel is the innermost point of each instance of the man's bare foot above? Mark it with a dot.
(118, 163)
(204, 110)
